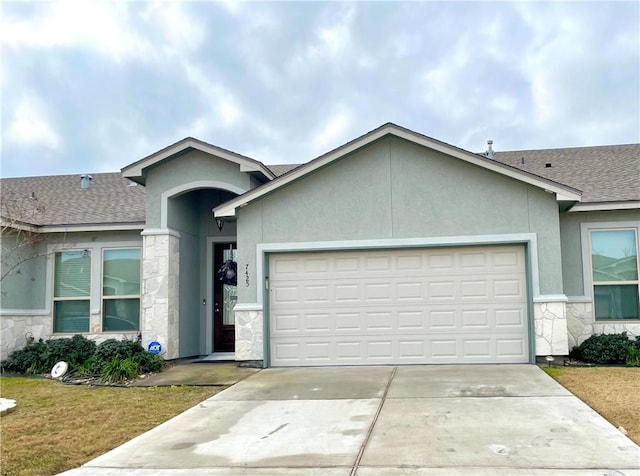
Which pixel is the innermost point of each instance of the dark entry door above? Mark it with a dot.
(224, 298)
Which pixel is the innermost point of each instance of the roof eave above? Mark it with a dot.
(606, 206)
(134, 171)
(83, 227)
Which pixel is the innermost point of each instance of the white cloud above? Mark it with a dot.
(101, 26)
(221, 109)
(30, 127)
(331, 44)
(332, 133)
(113, 29)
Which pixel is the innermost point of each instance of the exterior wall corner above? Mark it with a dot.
(550, 324)
(160, 292)
(249, 335)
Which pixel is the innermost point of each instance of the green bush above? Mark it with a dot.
(119, 370)
(27, 360)
(604, 349)
(40, 357)
(123, 349)
(84, 358)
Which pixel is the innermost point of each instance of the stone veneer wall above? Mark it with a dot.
(15, 328)
(581, 324)
(160, 290)
(550, 324)
(249, 334)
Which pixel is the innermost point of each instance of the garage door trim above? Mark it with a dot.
(528, 240)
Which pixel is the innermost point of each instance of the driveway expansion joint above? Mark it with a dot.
(373, 423)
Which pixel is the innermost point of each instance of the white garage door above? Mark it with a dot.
(409, 306)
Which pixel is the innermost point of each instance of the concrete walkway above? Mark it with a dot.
(364, 421)
(198, 374)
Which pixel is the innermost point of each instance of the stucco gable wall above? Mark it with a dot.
(395, 189)
(194, 166)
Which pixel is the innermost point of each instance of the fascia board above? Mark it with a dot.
(81, 228)
(224, 211)
(16, 225)
(605, 206)
(246, 165)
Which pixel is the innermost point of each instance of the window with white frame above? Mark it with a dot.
(614, 273)
(72, 291)
(121, 289)
(97, 287)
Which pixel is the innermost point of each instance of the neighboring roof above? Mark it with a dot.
(609, 173)
(135, 170)
(282, 169)
(563, 192)
(109, 203)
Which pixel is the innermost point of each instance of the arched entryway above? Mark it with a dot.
(205, 317)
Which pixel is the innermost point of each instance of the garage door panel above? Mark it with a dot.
(452, 305)
(503, 289)
(441, 318)
(404, 349)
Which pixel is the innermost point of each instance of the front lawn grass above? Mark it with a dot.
(611, 391)
(56, 427)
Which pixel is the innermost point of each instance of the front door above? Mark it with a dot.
(224, 296)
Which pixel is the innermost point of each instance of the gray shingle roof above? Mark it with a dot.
(109, 200)
(282, 169)
(603, 173)
(608, 173)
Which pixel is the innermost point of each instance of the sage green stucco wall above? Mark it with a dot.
(396, 189)
(182, 217)
(190, 214)
(572, 266)
(24, 287)
(191, 167)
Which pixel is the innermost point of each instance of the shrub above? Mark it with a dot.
(40, 357)
(84, 357)
(118, 370)
(27, 360)
(604, 349)
(124, 349)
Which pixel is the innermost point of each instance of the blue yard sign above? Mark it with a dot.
(154, 347)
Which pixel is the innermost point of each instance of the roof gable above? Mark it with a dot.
(563, 192)
(135, 171)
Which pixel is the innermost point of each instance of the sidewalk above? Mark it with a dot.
(198, 374)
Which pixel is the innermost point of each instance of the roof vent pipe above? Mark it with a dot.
(489, 152)
(85, 181)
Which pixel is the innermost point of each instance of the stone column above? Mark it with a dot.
(249, 335)
(550, 322)
(160, 289)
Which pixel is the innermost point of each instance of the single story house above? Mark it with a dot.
(394, 248)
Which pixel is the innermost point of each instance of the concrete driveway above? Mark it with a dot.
(413, 420)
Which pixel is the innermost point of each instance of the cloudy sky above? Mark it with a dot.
(91, 86)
